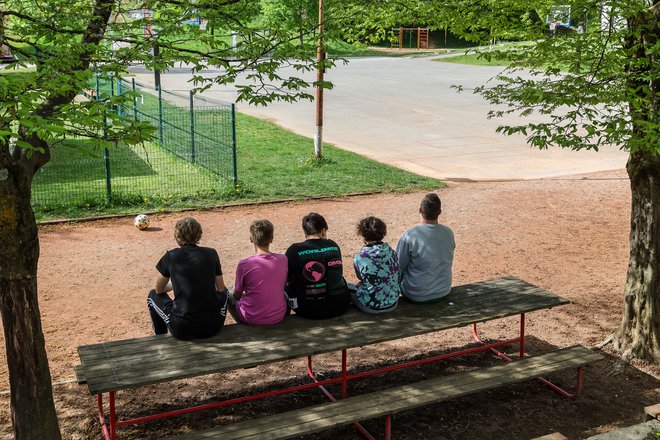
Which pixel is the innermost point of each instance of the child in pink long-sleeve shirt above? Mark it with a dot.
(258, 296)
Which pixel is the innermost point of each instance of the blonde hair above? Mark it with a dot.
(187, 231)
(261, 232)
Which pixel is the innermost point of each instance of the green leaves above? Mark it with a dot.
(46, 103)
(596, 88)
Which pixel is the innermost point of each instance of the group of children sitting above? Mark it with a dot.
(307, 279)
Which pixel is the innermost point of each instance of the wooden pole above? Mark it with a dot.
(320, 57)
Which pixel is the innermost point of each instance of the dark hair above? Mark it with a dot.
(262, 232)
(313, 223)
(431, 207)
(187, 231)
(372, 229)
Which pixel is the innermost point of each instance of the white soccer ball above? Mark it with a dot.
(141, 221)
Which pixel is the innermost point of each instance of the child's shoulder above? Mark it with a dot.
(278, 256)
(257, 257)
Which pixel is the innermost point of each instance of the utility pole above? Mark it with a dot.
(149, 35)
(320, 57)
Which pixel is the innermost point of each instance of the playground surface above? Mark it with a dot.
(568, 235)
(404, 112)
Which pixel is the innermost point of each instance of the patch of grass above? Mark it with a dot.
(473, 59)
(273, 163)
(276, 163)
(143, 178)
(347, 50)
(23, 71)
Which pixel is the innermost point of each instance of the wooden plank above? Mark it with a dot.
(393, 400)
(652, 411)
(471, 295)
(428, 391)
(390, 401)
(80, 374)
(129, 363)
(500, 303)
(553, 436)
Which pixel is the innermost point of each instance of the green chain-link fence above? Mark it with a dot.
(194, 155)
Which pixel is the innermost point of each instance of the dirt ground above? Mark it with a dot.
(568, 235)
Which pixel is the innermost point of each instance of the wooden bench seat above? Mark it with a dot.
(382, 403)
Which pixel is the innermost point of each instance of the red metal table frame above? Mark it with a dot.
(110, 424)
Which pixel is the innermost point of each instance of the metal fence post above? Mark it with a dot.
(192, 127)
(108, 184)
(160, 115)
(233, 143)
(216, 122)
(120, 110)
(135, 113)
(106, 152)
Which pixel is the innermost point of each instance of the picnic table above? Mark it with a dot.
(110, 367)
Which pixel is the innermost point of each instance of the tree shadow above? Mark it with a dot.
(519, 411)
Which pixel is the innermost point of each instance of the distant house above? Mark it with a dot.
(5, 55)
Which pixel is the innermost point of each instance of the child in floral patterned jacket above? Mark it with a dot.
(377, 268)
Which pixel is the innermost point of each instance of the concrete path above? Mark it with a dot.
(642, 431)
(403, 111)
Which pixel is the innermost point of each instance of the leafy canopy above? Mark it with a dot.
(69, 42)
(594, 86)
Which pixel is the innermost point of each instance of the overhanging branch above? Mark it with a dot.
(91, 37)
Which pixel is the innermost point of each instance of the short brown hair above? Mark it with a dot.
(261, 232)
(372, 229)
(187, 231)
(431, 207)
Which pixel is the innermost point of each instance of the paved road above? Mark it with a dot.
(403, 111)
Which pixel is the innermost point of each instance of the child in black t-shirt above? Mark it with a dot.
(316, 287)
(194, 275)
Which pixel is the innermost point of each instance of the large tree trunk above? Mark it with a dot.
(32, 406)
(33, 409)
(639, 333)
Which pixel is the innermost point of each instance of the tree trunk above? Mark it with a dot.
(32, 407)
(639, 333)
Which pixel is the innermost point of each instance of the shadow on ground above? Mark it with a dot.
(520, 411)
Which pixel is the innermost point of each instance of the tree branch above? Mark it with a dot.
(655, 10)
(41, 23)
(91, 37)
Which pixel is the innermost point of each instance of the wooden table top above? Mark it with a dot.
(116, 365)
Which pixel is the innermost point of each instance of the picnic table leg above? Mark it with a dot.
(578, 386)
(344, 377)
(344, 392)
(521, 345)
(520, 340)
(113, 416)
(388, 427)
(108, 427)
(104, 426)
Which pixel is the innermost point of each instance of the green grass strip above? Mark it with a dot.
(276, 163)
(273, 163)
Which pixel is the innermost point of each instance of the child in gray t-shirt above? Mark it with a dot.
(426, 254)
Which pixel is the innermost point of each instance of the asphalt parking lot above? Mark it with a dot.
(404, 112)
